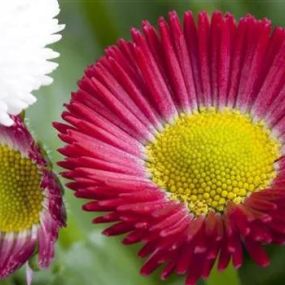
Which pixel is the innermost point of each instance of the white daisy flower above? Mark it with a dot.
(26, 28)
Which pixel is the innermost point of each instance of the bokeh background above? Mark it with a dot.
(84, 256)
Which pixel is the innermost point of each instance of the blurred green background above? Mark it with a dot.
(84, 256)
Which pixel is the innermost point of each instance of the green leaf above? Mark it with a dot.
(94, 260)
(228, 276)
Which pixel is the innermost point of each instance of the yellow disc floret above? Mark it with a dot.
(20, 193)
(209, 158)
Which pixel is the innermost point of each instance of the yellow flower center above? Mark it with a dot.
(20, 192)
(209, 158)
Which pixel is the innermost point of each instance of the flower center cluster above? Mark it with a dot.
(20, 192)
(212, 157)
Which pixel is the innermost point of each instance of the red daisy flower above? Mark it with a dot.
(31, 209)
(178, 135)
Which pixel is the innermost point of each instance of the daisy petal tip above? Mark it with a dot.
(29, 274)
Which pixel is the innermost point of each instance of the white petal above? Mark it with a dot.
(29, 274)
(26, 28)
(30, 99)
(6, 120)
(16, 106)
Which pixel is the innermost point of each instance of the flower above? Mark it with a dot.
(26, 27)
(179, 136)
(31, 209)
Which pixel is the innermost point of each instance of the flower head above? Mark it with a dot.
(26, 27)
(31, 209)
(179, 136)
